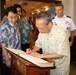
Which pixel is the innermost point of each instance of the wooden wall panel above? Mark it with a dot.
(2, 13)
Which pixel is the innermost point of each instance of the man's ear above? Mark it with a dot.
(7, 17)
(50, 24)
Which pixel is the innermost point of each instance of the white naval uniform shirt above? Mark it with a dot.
(66, 23)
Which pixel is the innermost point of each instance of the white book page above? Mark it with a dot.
(37, 61)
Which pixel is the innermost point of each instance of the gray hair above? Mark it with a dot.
(47, 17)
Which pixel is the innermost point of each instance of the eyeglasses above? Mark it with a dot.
(41, 28)
(18, 11)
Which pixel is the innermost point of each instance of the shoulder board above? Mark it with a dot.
(68, 16)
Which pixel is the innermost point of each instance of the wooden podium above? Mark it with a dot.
(23, 67)
(20, 66)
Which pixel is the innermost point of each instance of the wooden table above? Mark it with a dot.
(19, 66)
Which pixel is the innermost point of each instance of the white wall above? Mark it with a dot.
(74, 13)
(66, 4)
(69, 7)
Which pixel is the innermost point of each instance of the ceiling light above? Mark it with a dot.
(46, 9)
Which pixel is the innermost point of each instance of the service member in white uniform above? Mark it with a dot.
(65, 22)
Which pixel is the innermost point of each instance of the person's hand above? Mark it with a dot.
(36, 54)
(28, 51)
(8, 63)
(71, 43)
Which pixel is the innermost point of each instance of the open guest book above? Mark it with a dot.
(37, 61)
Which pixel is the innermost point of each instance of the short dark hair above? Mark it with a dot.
(10, 9)
(17, 6)
(24, 11)
(44, 15)
(59, 4)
